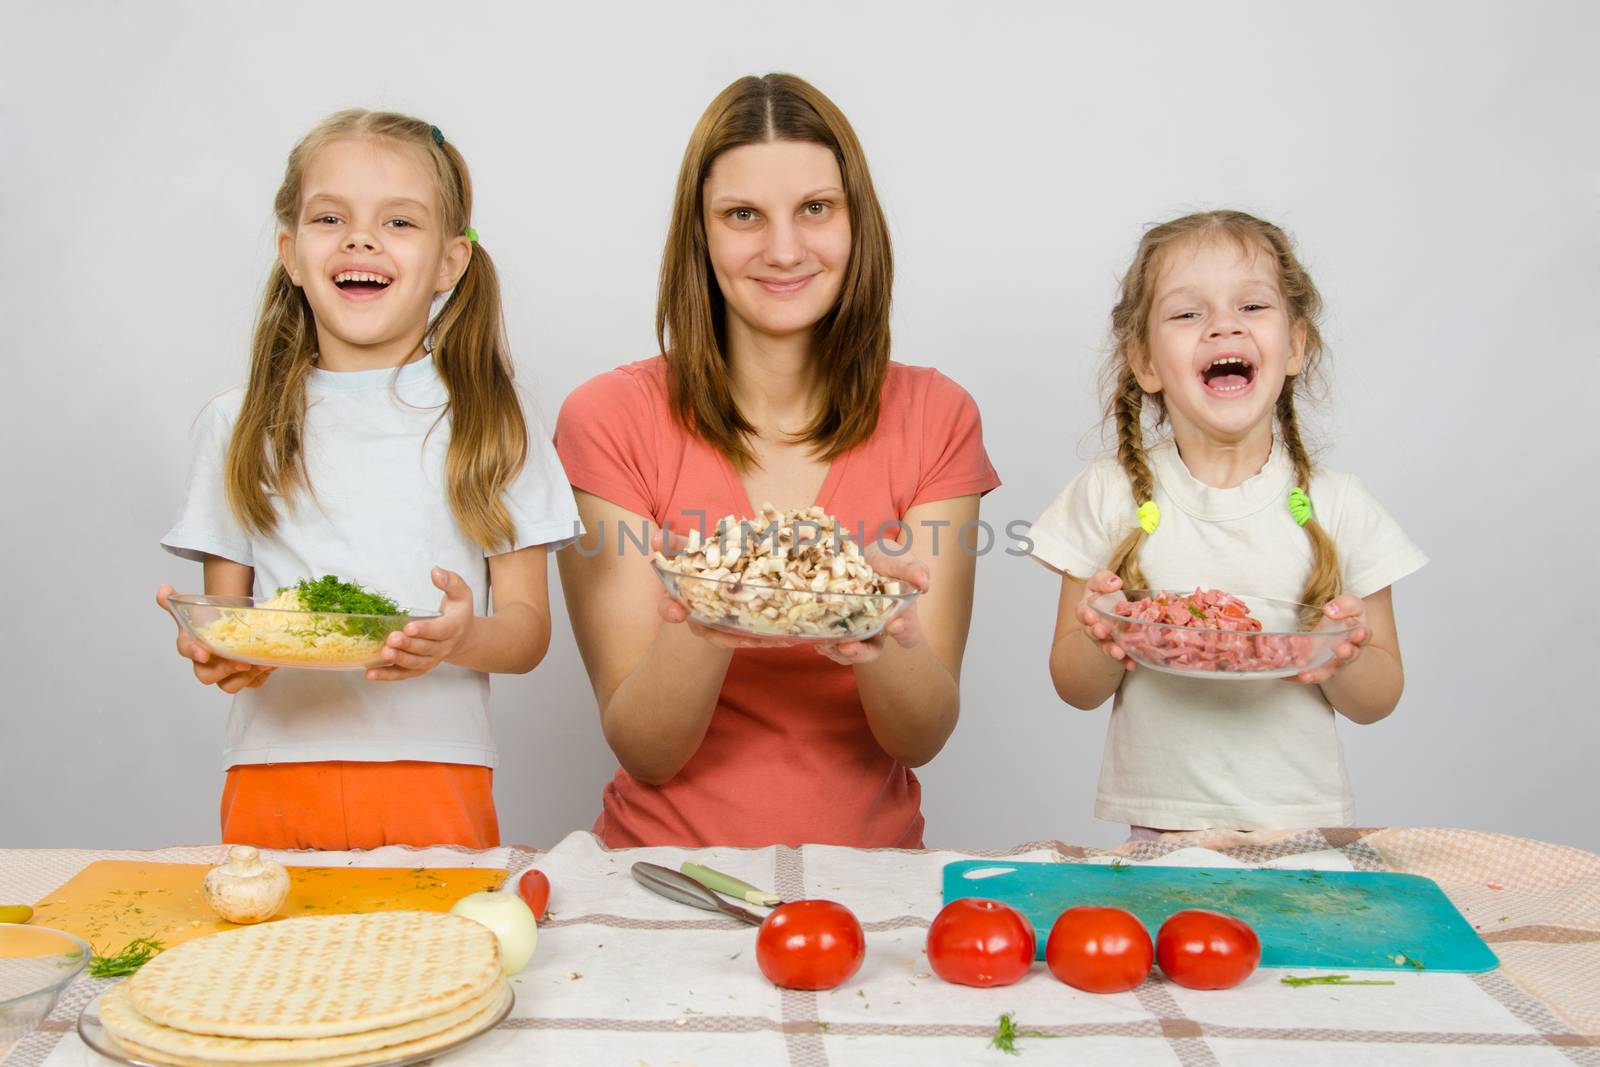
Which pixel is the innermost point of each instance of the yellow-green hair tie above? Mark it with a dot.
(1299, 505)
(1149, 517)
(470, 234)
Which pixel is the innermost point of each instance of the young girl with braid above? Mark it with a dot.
(1215, 327)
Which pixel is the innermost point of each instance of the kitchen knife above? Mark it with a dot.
(685, 890)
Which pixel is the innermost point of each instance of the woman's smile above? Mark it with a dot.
(779, 286)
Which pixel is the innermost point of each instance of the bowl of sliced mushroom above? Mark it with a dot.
(793, 575)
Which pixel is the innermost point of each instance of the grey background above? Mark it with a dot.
(1436, 161)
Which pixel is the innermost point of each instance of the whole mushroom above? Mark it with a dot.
(246, 888)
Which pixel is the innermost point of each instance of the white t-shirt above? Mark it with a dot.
(1186, 754)
(377, 514)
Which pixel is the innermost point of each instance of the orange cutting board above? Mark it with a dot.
(112, 902)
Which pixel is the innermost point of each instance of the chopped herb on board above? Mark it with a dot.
(1006, 1034)
(1410, 960)
(133, 956)
(1117, 866)
(1330, 979)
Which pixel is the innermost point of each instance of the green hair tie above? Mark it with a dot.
(1149, 517)
(470, 234)
(438, 135)
(1299, 505)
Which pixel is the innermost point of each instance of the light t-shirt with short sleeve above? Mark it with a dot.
(1182, 753)
(788, 756)
(377, 514)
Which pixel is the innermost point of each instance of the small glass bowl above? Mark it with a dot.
(36, 964)
(234, 628)
(1282, 647)
(753, 609)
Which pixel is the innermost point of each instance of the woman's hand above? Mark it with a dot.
(1341, 613)
(673, 609)
(226, 674)
(1094, 626)
(422, 645)
(905, 627)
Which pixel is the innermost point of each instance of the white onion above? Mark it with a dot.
(511, 920)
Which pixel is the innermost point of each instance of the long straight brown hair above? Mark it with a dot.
(1130, 327)
(850, 344)
(488, 436)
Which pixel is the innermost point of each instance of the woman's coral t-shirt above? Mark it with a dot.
(788, 757)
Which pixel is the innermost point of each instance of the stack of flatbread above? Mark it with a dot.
(332, 989)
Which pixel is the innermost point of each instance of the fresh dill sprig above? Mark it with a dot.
(1006, 1034)
(135, 954)
(329, 594)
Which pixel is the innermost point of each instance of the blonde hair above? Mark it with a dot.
(488, 436)
(1125, 402)
(851, 342)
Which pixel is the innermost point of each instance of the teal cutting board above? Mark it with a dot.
(1325, 919)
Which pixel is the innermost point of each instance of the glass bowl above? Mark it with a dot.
(36, 964)
(1282, 648)
(233, 627)
(752, 609)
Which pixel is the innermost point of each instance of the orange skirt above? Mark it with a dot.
(339, 805)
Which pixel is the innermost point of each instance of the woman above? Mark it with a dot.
(777, 387)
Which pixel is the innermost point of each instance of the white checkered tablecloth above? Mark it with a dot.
(625, 977)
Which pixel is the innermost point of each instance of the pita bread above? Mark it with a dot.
(124, 1023)
(467, 1028)
(319, 976)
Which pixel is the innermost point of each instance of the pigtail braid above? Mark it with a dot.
(1127, 408)
(1324, 582)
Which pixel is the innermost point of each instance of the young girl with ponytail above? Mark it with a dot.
(1215, 327)
(387, 445)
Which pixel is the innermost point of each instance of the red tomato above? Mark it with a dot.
(980, 942)
(534, 889)
(1207, 950)
(1099, 950)
(810, 944)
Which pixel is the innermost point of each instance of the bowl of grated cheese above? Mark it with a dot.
(321, 624)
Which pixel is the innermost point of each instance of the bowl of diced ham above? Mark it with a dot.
(1212, 634)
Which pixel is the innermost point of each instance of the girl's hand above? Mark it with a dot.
(226, 674)
(905, 627)
(1094, 627)
(1340, 613)
(673, 610)
(422, 645)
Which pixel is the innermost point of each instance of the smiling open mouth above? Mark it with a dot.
(361, 281)
(1230, 374)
